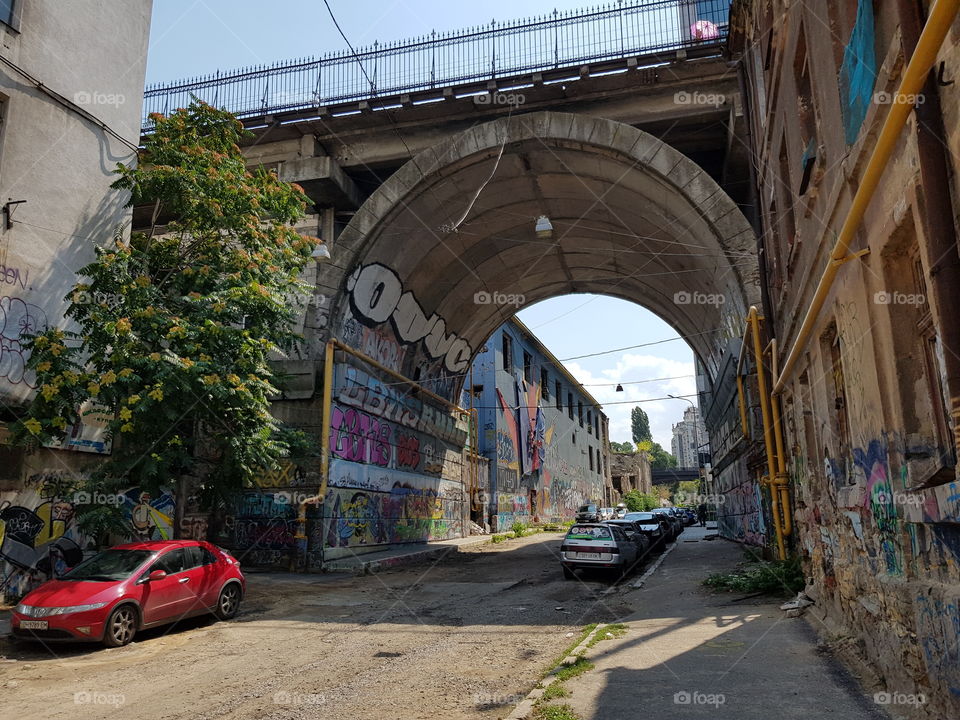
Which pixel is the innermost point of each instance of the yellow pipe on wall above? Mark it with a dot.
(935, 30)
(753, 329)
(782, 479)
(301, 535)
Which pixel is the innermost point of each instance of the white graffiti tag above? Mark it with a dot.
(377, 295)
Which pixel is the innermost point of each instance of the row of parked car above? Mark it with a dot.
(620, 542)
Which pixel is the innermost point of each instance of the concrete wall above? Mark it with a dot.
(868, 431)
(523, 486)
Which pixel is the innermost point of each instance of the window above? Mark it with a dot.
(599, 463)
(558, 391)
(580, 413)
(570, 405)
(527, 366)
(173, 562)
(590, 455)
(10, 13)
(545, 383)
(589, 423)
(507, 353)
(596, 424)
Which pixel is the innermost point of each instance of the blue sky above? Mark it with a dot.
(197, 37)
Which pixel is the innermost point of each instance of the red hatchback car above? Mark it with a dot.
(131, 587)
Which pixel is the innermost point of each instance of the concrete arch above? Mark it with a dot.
(632, 217)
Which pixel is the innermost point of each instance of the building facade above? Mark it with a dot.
(689, 439)
(629, 471)
(544, 434)
(869, 405)
(70, 101)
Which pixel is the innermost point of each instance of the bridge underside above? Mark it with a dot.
(446, 250)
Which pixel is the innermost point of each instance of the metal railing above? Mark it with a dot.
(500, 50)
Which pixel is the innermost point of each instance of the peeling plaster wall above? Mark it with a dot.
(870, 449)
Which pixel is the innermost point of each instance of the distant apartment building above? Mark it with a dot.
(545, 436)
(71, 88)
(689, 439)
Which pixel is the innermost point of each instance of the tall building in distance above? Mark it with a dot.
(689, 439)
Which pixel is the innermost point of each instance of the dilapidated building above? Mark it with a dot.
(856, 213)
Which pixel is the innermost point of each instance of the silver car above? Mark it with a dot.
(593, 545)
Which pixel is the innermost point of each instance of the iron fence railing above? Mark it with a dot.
(561, 39)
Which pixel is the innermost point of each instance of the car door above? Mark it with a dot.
(203, 576)
(165, 599)
(626, 546)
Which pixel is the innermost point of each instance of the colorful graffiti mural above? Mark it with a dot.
(39, 536)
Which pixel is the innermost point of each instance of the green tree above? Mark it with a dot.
(175, 346)
(659, 458)
(640, 424)
(624, 447)
(637, 501)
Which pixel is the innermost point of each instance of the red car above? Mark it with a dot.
(131, 587)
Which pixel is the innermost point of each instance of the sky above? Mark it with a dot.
(605, 323)
(198, 37)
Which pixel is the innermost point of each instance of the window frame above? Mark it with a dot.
(16, 8)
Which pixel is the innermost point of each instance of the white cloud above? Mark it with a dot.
(630, 368)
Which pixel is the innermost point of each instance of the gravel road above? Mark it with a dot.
(465, 637)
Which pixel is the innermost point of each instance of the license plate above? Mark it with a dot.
(34, 624)
(588, 556)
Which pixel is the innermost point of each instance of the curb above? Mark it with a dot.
(525, 707)
(638, 583)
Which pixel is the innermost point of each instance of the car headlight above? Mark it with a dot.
(33, 611)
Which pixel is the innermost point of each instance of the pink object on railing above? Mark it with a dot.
(704, 30)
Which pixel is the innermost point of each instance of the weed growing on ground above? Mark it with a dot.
(519, 529)
(609, 632)
(776, 577)
(497, 538)
(555, 712)
(554, 690)
(580, 666)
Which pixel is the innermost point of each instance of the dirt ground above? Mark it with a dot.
(466, 637)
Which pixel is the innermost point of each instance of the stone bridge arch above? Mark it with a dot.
(632, 218)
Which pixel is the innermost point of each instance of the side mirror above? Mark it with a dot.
(156, 575)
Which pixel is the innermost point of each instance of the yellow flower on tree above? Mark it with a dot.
(33, 425)
(155, 356)
(233, 379)
(48, 391)
(211, 379)
(125, 373)
(126, 427)
(44, 366)
(123, 326)
(156, 394)
(133, 400)
(59, 423)
(93, 388)
(125, 413)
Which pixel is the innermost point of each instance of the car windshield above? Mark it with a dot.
(589, 532)
(641, 517)
(110, 565)
(588, 508)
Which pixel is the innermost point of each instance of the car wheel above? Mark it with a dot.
(568, 573)
(121, 626)
(229, 602)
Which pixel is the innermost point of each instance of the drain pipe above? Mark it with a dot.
(937, 26)
(300, 538)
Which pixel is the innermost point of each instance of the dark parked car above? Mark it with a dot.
(635, 532)
(676, 527)
(689, 516)
(589, 514)
(595, 545)
(656, 527)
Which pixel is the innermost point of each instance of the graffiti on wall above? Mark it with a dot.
(871, 461)
(39, 536)
(377, 295)
(368, 505)
(18, 321)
